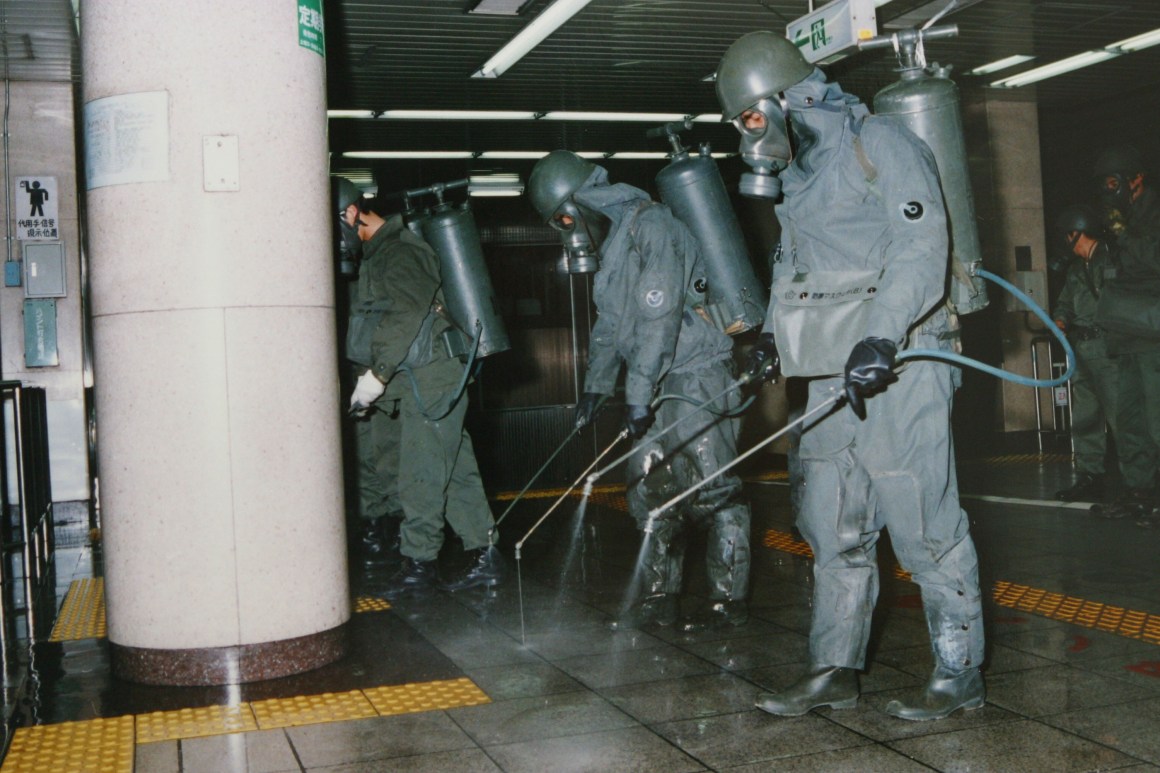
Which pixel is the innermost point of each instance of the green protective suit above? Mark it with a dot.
(1136, 251)
(437, 477)
(879, 206)
(648, 322)
(1095, 383)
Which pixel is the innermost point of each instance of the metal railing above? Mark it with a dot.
(1061, 418)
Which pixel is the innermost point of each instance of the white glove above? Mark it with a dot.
(366, 391)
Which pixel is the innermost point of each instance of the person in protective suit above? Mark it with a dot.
(437, 478)
(375, 437)
(648, 321)
(862, 192)
(1132, 215)
(1094, 384)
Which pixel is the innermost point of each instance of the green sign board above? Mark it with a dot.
(311, 30)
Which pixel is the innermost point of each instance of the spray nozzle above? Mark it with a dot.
(672, 130)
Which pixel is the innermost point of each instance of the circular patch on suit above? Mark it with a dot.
(912, 211)
(654, 298)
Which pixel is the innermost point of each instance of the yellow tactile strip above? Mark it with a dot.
(1089, 614)
(82, 615)
(92, 746)
(546, 493)
(784, 541)
(107, 745)
(1021, 459)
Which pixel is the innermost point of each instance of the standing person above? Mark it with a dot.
(376, 434)
(862, 193)
(647, 302)
(1131, 315)
(437, 477)
(1094, 384)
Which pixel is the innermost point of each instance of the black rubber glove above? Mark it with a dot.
(763, 363)
(637, 420)
(869, 368)
(587, 409)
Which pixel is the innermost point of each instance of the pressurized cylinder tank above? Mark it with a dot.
(467, 290)
(692, 188)
(927, 102)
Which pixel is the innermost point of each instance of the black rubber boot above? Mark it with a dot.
(413, 576)
(485, 568)
(717, 616)
(943, 695)
(831, 686)
(1087, 488)
(378, 542)
(657, 609)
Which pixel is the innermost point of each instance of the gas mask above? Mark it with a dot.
(765, 147)
(349, 246)
(581, 237)
(1117, 194)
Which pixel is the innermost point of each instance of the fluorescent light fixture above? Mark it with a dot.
(408, 154)
(1000, 64)
(570, 115)
(549, 20)
(634, 155)
(1036, 74)
(710, 78)
(592, 154)
(498, 7)
(350, 114)
(708, 118)
(1138, 42)
(514, 154)
(458, 115)
(502, 184)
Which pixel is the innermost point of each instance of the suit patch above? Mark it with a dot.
(912, 211)
(654, 298)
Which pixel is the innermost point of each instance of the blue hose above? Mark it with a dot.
(958, 359)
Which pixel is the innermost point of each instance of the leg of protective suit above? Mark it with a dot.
(1137, 443)
(377, 447)
(1090, 388)
(424, 476)
(911, 461)
(835, 520)
(467, 509)
(727, 554)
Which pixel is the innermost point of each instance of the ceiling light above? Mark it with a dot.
(514, 154)
(458, 115)
(408, 154)
(634, 155)
(502, 184)
(1036, 74)
(591, 154)
(1000, 64)
(549, 20)
(566, 115)
(498, 7)
(1138, 42)
(708, 118)
(350, 114)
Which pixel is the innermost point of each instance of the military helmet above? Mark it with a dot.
(1078, 217)
(757, 66)
(343, 193)
(555, 177)
(1119, 159)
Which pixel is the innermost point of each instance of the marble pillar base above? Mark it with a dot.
(229, 665)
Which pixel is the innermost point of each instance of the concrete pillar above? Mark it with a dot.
(1008, 179)
(213, 323)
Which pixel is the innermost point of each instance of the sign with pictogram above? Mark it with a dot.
(35, 209)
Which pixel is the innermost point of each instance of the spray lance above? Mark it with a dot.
(838, 396)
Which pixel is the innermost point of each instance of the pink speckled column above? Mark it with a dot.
(209, 242)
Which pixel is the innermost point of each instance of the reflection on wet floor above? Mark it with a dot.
(1073, 671)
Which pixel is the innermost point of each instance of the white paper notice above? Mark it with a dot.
(127, 139)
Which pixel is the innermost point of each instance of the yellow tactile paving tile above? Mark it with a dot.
(195, 723)
(82, 615)
(771, 475)
(92, 746)
(371, 604)
(1130, 623)
(312, 709)
(1021, 459)
(552, 493)
(426, 696)
(784, 541)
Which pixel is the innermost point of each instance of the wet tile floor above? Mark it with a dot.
(1073, 667)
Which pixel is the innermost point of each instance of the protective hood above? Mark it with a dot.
(818, 114)
(614, 202)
